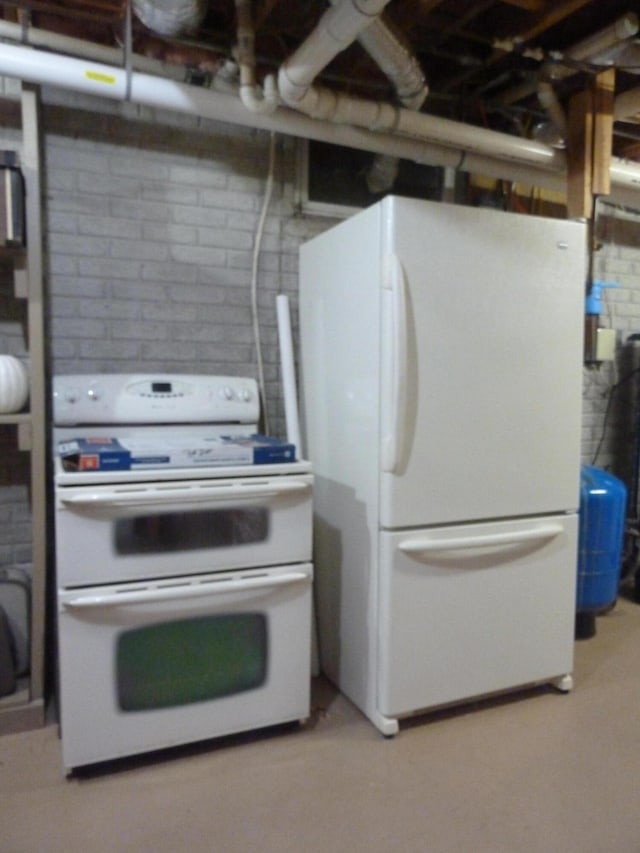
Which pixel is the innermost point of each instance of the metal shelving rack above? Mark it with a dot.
(25, 709)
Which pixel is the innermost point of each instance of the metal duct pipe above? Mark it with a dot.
(106, 81)
(170, 17)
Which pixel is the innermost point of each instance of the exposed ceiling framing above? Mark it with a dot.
(483, 60)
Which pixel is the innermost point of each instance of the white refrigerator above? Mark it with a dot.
(441, 351)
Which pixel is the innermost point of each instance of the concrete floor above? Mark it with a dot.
(536, 771)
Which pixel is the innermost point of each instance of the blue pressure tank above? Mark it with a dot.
(603, 502)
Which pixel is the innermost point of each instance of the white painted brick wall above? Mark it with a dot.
(151, 237)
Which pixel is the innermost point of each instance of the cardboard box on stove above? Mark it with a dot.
(135, 452)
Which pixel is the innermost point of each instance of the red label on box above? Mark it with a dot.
(90, 463)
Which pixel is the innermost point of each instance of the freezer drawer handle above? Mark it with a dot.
(153, 497)
(191, 590)
(516, 537)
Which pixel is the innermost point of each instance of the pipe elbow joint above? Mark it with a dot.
(257, 100)
(290, 92)
(369, 8)
(414, 100)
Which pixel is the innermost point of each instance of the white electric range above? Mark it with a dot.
(183, 593)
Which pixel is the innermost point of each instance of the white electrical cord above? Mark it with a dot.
(254, 279)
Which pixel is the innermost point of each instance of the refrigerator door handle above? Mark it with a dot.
(394, 439)
(424, 544)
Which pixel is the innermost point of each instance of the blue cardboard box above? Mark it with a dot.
(177, 451)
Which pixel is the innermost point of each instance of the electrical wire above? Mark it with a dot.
(254, 280)
(607, 411)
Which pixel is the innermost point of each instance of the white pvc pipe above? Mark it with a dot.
(252, 96)
(327, 105)
(337, 29)
(288, 373)
(627, 104)
(339, 26)
(591, 49)
(36, 66)
(478, 139)
(549, 100)
(396, 62)
(91, 51)
(293, 422)
(107, 81)
(35, 37)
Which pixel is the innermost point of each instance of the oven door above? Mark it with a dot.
(121, 532)
(150, 665)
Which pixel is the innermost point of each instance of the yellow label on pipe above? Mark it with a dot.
(99, 77)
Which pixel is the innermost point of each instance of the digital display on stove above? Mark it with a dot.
(161, 387)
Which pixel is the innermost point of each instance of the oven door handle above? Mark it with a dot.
(192, 495)
(192, 590)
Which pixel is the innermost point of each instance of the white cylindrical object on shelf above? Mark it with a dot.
(14, 384)
(288, 373)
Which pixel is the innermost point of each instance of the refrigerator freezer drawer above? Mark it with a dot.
(469, 610)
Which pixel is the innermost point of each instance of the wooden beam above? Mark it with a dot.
(550, 13)
(580, 155)
(428, 5)
(529, 5)
(605, 84)
(262, 12)
(590, 144)
(556, 12)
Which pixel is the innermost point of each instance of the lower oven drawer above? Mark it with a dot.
(114, 533)
(145, 666)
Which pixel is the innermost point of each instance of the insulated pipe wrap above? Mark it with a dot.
(170, 17)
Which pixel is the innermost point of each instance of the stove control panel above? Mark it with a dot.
(125, 398)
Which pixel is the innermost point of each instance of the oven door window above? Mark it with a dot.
(183, 661)
(189, 531)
